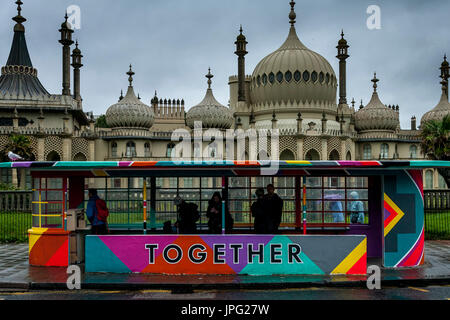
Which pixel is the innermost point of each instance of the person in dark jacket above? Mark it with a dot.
(188, 215)
(274, 209)
(214, 213)
(98, 227)
(259, 213)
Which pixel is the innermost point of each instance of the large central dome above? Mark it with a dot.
(294, 74)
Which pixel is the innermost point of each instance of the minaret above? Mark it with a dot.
(66, 41)
(445, 73)
(76, 64)
(342, 56)
(241, 51)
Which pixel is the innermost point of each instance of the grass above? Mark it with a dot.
(14, 227)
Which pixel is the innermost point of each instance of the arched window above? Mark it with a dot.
(170, 150)
(413, 152)
(384, 151)
(441, 182)
(349, 156)
(367, 152)
(79, 157)
(53, 156)
(287, 155)
(114, 149)
(147, 149)
(429, 180)
(334, 156)
(131, 149)
(312, 155)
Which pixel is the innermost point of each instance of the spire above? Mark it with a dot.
(130, 73)
(292, 15)
(19, 19)
(209, 76)
(121, 95)
(375, 80)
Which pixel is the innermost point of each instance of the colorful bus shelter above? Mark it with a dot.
(318, 238)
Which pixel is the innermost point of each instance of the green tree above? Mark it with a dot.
(18, 144)
(101, 122)
(435, 143)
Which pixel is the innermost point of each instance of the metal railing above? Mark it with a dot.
(437, 214)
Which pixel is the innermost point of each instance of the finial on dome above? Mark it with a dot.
(240, 30)
(121, 95)
(209, 76)
(292, 15)
(375, 80)
(342, 34)
(131, 74)
(19, 19)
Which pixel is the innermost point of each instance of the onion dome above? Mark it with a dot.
(130, 112)
(441, 110)
(18, 77)
(210, 112)
(293, 73)
(376, 116)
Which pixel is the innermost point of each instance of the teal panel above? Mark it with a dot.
(99, 258)
(307, 267)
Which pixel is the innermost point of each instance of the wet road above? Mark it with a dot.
(407, 293)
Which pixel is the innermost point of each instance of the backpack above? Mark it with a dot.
(102, 210)
(195, 215)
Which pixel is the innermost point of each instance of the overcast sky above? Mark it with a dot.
(171, 44)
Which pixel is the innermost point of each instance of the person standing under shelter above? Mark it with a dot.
(274, 209)
(262, 221)
(356, 209)
(97, 213)
(188, 216)
(214, 213)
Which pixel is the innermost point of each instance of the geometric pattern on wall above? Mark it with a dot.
(4, 140)
(312, 143)
(288, 143)
(404, 223)
(334, 144)
(348, 148)
(80, 146)
(53, 143)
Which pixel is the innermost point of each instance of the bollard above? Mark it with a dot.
(304, 226)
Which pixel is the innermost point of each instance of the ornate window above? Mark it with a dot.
(413, 152)
(271, 78)
(429, 180)
(264, 79)
(258, 80)
(170, 150)
(367, 152)
(314, 76)
(131, 149)
(114, 149)
(384, 151)
(327, 77)
(280, 77)
(297, 76)
(321, 77)
(147, 149)
(288, 76)
(306, 76)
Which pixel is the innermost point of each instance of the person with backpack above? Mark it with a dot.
(97, 213)
(261, 217)
(188, 216)
(274, 209)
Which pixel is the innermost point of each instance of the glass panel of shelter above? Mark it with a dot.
(49, 202)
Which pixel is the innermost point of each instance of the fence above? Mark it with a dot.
(437, 214)
(15, 215)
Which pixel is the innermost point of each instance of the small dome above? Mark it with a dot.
(210, 112)
(440, 111)
(376, 116)
(130, 112)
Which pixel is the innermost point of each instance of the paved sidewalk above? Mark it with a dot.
(15, 273)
